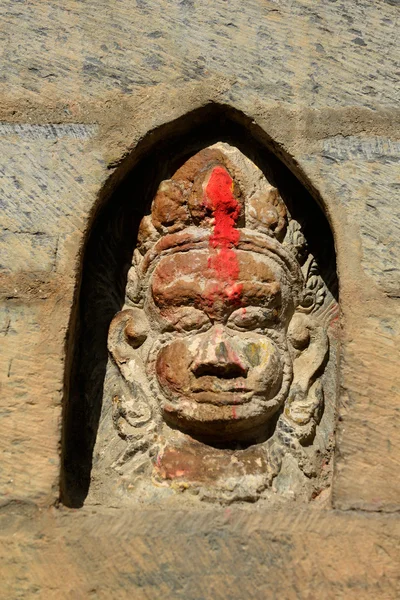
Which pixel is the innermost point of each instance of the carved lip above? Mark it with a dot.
(218, 385)
(222, 398)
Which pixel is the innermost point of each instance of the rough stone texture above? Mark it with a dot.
(46, 185)
(225, 554)
(82, 83)
(368, 439)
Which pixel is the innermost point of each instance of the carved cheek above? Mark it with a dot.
(172, 367)
(267, 366)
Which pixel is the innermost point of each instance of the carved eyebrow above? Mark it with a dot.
(261, 294)
(176, 294)
(185, 294)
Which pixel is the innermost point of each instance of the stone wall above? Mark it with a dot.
(87, 90)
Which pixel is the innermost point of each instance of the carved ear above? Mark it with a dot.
(303, 408)
(131, 400)
(310, 345)
(128, 331)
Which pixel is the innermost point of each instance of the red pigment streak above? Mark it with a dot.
(226, 209)
(334, 321)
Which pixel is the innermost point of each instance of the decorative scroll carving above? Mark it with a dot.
(220, 356)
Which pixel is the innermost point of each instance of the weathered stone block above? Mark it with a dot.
(87, 91)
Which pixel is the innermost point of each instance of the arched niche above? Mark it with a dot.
(109, 246)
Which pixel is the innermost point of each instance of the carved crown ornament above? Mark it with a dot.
(221, 359)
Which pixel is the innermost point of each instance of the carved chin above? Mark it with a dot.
(239, 422)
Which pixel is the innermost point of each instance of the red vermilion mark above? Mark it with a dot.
(334, 320)
(219, 198)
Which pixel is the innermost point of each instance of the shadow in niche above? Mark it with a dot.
(110, 246)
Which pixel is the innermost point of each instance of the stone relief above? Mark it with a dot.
(221, 377)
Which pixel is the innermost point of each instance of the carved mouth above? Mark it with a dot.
(218, 385)
(222, 398)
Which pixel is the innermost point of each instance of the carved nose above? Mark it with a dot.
(217, 357)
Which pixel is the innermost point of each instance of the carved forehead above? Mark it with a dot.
(198, 264)
(191, 279)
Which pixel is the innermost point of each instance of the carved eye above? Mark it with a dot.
(188, 318)
(252, 317)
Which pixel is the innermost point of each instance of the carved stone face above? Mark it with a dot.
(222, 339)
(223, 367)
